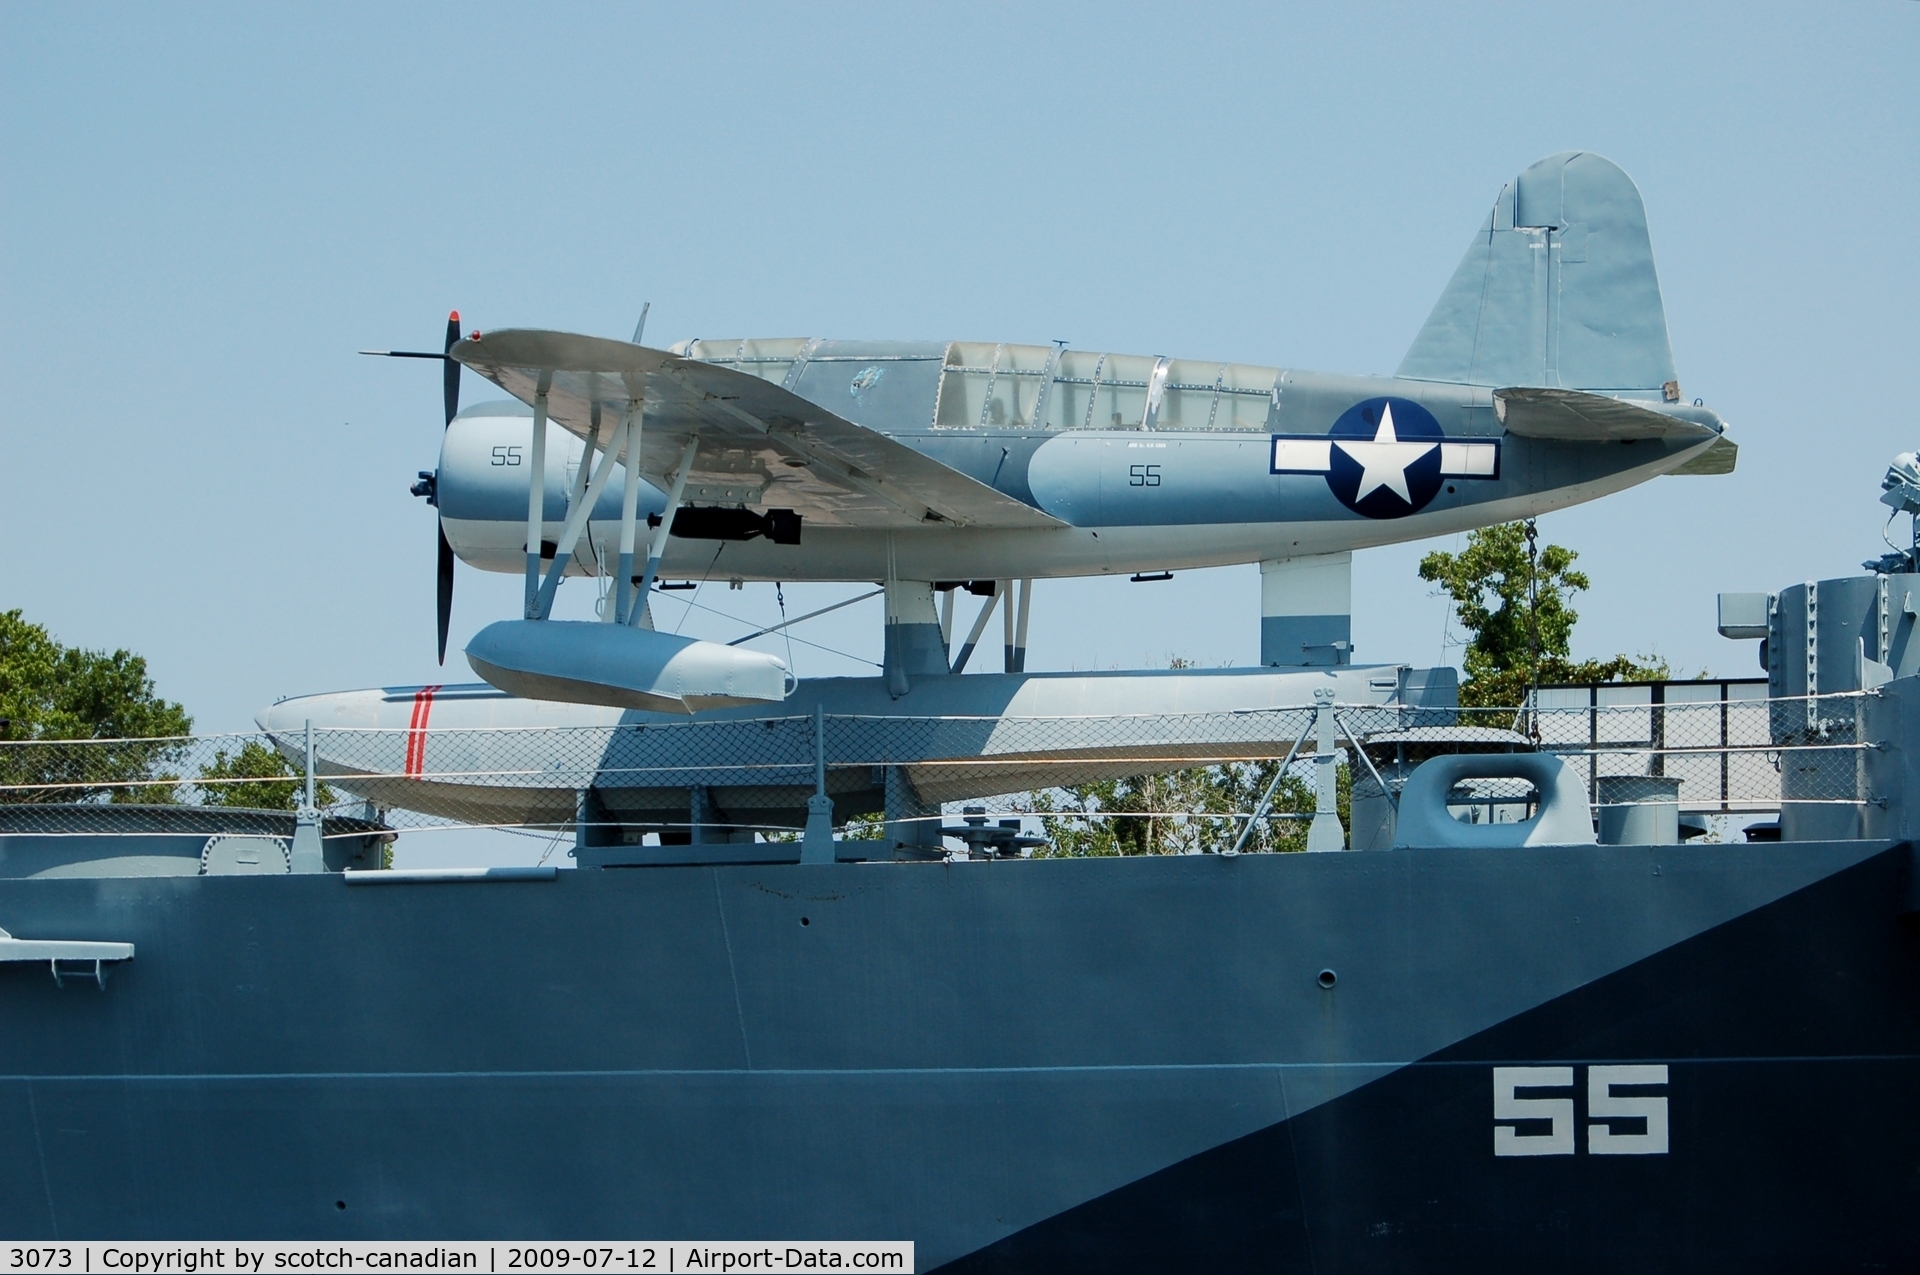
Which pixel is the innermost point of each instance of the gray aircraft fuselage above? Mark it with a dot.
(1134, 499)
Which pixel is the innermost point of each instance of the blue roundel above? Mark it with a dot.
(1385, 458)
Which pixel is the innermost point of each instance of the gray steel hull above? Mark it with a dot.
(955, 1054)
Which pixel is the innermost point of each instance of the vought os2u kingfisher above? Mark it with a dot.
(1544, 377)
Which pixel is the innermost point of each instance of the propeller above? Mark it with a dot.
(428, 485)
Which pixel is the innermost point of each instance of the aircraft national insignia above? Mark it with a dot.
(1385, 457)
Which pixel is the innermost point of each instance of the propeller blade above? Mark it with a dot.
(450, 393)
(444, 597)
(443, 592)
(450, 390)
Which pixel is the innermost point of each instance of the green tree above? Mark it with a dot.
(49, 692)
(275, 785)
(1194, 810)
(1514, 603)
(1181, 812)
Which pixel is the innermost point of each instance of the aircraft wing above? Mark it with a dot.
(1573, 416)
(760, 444)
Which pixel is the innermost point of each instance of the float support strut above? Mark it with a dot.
(659, 545)
(1020, 630)
(585, 494)
(979, 627)
(629, 513)
(537, 493)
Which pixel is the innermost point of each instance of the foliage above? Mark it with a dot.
(868, 827)
(1181, 812)
(279, 785)
(1191, 811)
(49, 691)
(1518, 614)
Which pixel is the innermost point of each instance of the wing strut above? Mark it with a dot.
(537, 492)
(585, 493)
(629, 512)
(660, 533)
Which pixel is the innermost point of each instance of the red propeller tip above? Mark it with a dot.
(454, 317)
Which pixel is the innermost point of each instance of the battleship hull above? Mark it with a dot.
(1263, 1062)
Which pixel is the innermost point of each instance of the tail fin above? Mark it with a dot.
(1558, 289)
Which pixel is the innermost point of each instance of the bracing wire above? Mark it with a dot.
(802, 641)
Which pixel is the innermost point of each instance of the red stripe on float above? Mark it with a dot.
(417, 731)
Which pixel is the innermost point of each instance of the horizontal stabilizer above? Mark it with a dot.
(1569, 416)
(760, 443)
(1717, 459)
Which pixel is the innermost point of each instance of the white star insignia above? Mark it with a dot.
(1384, 461)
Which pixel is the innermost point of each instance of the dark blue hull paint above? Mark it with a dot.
(1793, 1039)
(1048, 1065)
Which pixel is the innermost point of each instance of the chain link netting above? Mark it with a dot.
(1191, 780)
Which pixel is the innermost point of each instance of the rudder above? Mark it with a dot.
(1558, 289)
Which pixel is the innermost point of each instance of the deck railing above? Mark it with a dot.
(1721, 748)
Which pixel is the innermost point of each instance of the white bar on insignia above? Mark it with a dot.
(1313, 455)
(485, 1257)
(1469, 460)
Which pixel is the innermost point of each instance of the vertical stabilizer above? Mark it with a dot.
(1558, 289)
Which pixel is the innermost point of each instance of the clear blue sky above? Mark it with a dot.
(204, 211)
